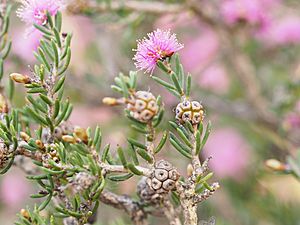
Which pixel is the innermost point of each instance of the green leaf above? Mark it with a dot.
(67, 62)
(67, 45)
(132, 153)
(56, 109)
(46, 99)
(184, 137)
(46, 48)
(36, 117)
(182, 145)
(59, 84)
(134, 170)
(56, 57)
(179, 149)
(119, 178)
(44, 60)
(49, 19)
(6, 50)
(45, 203)
(161, 143)
(144, 154)
(122, 156)
(57, 37)
(206, 135)
(163, 67)
(58, 21)
(176, 84)
(188, 85)
(105, 152)
(198, 142)
(43, 29)
(158, 118)
(163, 83)
(200, 180)
(136, 143)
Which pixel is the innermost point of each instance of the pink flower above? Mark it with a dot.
(215, 79)
(34, 11)
(283, 31)
(230, 153)
(24, 46)
(250, 11)
(192, 58)
(14, 189)
(159, 45)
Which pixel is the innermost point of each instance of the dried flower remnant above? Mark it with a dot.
(159, 46)
(35, 11)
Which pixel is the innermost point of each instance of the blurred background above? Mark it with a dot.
(244, 59)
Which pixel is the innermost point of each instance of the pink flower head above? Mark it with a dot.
(159, 45)
(34, 11)
(282, 31)
(230, 153)
(250, 11)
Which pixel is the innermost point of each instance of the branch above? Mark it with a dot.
(236, 59)
(131, 207)
(153, 7)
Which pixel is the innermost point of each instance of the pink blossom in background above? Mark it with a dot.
(282, 31)
(199, 51)
(230, 153)
(291, 121)
(34, 11)
(215, 79)
(24, 46)
(253, 12)
(87, 116)
(14, 189)
(159, 45)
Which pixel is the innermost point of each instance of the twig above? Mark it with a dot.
(131, 207)
(153, 7)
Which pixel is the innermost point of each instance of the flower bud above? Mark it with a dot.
(190, 170)
(25, 213)
(24, 136)
(40, 144)
(275, 165)
(69, 139)
(81, 134)
(110, 101)
(20, 78)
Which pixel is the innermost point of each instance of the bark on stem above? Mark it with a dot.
(131, 207)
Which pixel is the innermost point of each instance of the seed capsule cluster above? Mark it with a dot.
(146, 193)
(51, 154)
(142, 106)
(164, 177)
(63, 129)
(3, 155)
(191, 111)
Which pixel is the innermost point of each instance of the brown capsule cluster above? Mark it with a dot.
(3, 155)
(51, 154)
(63, 129)
(142, 106)
(191, 111)
(146, 193)
(163, 178)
